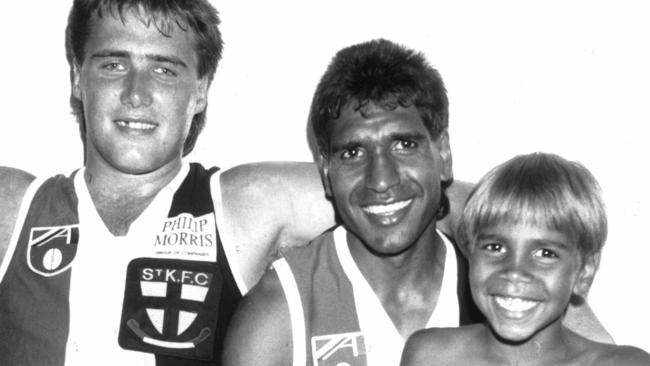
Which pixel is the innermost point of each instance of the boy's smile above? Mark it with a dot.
(522, 277)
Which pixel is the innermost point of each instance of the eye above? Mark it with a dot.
(114, 67)
(545, 253)
(164, 71)
(351, 153)
(493, 247)
(405, 145)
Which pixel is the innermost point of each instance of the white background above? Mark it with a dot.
(570, 77)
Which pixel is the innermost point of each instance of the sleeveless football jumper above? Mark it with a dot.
(71, 293)
(337, 319)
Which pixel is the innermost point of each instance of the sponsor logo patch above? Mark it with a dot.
(187, 237)
(343, 349)
(170, 307)
(51, 250)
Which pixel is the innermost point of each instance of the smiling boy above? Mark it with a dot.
(533, 230)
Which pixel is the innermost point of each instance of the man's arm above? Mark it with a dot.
(13, 184)
(260, 331)
(269, 207)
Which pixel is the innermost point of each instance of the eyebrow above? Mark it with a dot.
(356, 142)
(124, 54)
(535, 241)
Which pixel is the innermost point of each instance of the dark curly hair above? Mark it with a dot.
(388, 75)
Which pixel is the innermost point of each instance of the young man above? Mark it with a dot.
(533, 230)
(122, 260)
(354, 294)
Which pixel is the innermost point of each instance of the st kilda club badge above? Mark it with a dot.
(170, 307)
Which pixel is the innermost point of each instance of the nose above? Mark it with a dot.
(136, 91)
(516, 269)
(382, 173)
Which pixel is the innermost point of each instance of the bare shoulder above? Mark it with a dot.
(457, 194)
(13, 184)
(261, 323)
(442, 345)
(610, 354)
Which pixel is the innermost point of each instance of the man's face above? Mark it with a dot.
(140, 91)
(522, 278)
(384, 172)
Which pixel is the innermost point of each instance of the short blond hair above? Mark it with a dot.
(539, 189)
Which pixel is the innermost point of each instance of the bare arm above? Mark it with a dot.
(260, 331)
(269, 207)
(13, 184)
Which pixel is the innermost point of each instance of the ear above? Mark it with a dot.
(201, 95)
(586, 275)
(324, 169)
(76, 76)
(444, 150)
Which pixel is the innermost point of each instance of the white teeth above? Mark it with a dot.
(136, 125)
(387, 210)
(515, 304)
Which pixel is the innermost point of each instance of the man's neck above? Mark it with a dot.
(408, 285)
(120, 198)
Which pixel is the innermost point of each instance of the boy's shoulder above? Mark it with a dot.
(611, 354)
(587, 352)
(444, 345)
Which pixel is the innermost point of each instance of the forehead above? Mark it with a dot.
(138, 34)
(375, 123)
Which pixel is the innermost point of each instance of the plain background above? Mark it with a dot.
(569, 77)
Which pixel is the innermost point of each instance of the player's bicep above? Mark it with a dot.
(260, 331)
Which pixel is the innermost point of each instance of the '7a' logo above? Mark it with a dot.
(51, 249)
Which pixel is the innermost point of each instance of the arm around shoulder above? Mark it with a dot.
(271, 206)
(260, 331)
(13, 184)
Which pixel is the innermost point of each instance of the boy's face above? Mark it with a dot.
(384, 172)
(522, 277)
(140, 91)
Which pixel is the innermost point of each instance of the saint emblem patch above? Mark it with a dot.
(52, 249)
(170, 307)
(343, 349)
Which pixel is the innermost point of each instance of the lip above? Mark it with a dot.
(514, 307)
(387, 213)
(136, 125)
